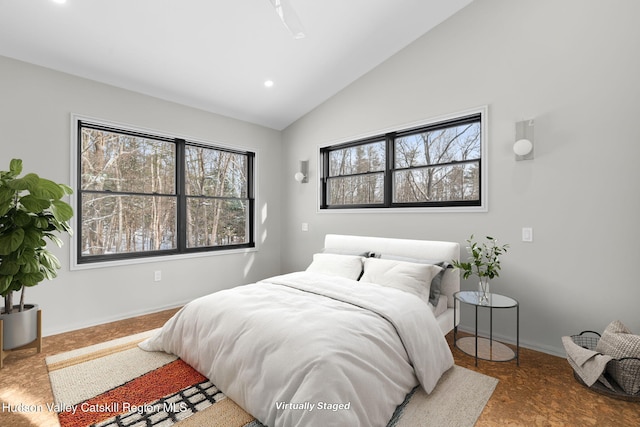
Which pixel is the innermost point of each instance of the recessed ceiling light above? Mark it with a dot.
(59, 1)
(268, 83)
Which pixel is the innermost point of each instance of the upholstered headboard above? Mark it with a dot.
(418, 249)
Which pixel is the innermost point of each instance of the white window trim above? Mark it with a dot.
(484, 162)
(73, 246)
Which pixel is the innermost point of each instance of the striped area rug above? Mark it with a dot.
(116, 384)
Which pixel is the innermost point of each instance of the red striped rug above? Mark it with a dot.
(116, 384)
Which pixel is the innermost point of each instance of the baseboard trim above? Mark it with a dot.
(109, 319)
(553, 351)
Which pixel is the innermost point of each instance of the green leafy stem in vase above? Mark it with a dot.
(483, 260)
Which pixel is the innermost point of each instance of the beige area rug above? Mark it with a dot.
(457, 401)
(116, 384)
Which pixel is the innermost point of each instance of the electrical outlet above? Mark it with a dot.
(157, 275)
(527, 234)
(305, 226)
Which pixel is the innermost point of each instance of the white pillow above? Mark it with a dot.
(407, 276)
(347, 266)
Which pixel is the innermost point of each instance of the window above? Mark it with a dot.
(437, 165)
(143, 195)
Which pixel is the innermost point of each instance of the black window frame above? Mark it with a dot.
(390, 168)
(180, 196)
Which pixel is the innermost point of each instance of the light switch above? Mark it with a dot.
(527, 234)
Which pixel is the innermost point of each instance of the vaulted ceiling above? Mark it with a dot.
(216, 55)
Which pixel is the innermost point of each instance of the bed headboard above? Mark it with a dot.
(419, 249)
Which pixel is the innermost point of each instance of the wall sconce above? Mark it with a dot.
(523, 147)
(303, 176)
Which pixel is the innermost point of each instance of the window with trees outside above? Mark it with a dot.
(437, 165)
(142, 195)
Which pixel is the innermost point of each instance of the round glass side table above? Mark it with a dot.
(482, 347)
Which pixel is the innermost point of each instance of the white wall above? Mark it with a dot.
(571, 65)
(35, 108)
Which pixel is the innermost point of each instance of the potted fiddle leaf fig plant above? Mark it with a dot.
(32, 212)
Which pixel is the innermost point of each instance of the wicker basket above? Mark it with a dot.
(630, 366)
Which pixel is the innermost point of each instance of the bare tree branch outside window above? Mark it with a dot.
(436, 165)
(130, 199)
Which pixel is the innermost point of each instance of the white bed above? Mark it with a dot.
(320, 347)
(410, 249)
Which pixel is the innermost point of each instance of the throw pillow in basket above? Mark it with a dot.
(618, 342)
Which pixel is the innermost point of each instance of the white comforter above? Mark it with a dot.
(306, 349)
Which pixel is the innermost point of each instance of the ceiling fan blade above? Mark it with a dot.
(289, 18)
